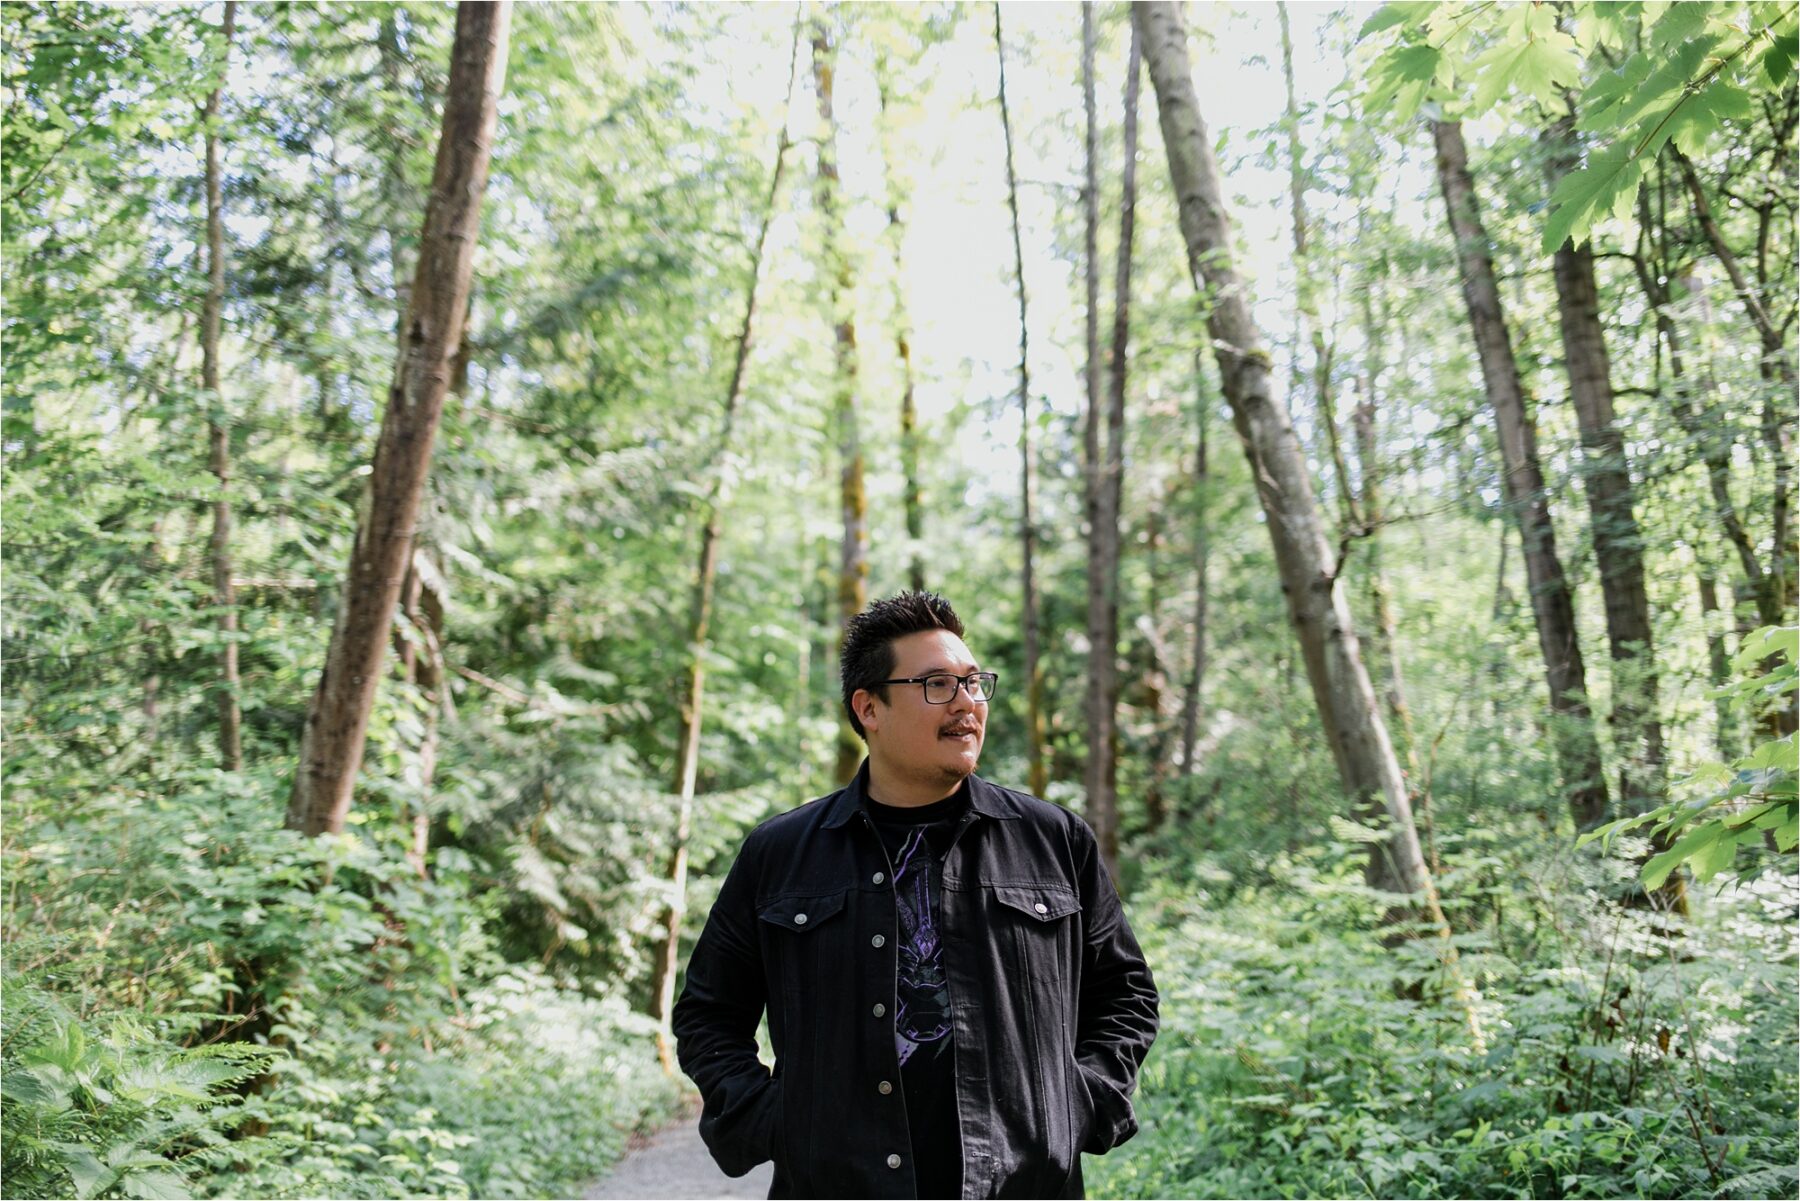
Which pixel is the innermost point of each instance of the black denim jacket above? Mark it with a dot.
(1052, 1005)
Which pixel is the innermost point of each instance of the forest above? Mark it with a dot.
(443, 444)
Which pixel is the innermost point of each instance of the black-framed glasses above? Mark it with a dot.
(940, 687)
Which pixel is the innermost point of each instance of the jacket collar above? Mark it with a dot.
(984, 798)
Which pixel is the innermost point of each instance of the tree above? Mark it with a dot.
(1618, 542)
(1522, 479)
(1034, 670)
(853, 553)
(1320, 617)
(231, 738)
(687, 769)
(1105, 484)
(1191, 693)
(338, 715)
(911, 495)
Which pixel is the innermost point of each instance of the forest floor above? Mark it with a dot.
(674, 1163)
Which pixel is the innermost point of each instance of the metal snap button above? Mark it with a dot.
(893, 1161)
(884, 1088)
(880, 876)
(800, 918)
(880, 1009)
(877, 941)
(1040, 907)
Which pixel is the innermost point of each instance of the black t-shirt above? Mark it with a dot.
(916, 839)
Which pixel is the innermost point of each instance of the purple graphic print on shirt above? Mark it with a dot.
(923, 991)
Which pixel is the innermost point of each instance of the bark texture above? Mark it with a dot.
(1321, 619)
(337, 719)
(853, 552)
(1039, 770)
(1105, 485)
(1196, 680)
(231, 738)
(687, 769)
(1618, 542)
(1527, 502)
(911, 493)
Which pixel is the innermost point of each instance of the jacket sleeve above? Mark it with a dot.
(1117, 1011)
(715, 1022)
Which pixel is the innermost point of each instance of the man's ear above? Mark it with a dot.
(862, 701)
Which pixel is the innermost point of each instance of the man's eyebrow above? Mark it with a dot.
(941, 670)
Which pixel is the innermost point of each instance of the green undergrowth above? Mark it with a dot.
(1624, 1054)
(199, 1003)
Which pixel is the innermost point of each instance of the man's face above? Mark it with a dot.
(932, 743)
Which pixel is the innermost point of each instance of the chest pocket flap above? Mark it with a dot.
(801, 915)
(1044, 903)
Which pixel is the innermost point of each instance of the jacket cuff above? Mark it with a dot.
(1111, 1120)
(750, 1136)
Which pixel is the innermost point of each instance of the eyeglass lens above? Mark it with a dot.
(941, 690)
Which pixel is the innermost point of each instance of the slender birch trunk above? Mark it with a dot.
(853, 555)
(1105, 474)
(911, 494)
(231, 738)
(338, 716)
(1039, 772)
(1527, 499)
(687, 771)
(1191, 698)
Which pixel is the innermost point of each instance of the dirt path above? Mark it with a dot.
(674, 1163)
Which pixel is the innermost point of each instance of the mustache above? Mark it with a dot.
(961, 727)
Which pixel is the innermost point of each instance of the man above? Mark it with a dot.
(957, 1005)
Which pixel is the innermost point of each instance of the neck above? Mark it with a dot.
(905, 791)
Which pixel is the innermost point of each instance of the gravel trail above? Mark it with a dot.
(674, 1163)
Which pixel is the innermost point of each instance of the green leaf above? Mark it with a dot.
(1540, 66)
(1657, 870)
(1788, 835)
(86, 1173)
(1778, 59)
(1609, 180)
(1696, 117)
(1682, 23)
(1396, 12)
(1401, 77)
(1713, 858)
(1778, 752)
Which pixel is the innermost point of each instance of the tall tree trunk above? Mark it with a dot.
(1034, 681)
(687, 771)
(1527, 500)
(396, 194)
(1307, 308)
(231, 738)
(337, 719)
(1368, 505)
(1105, 478)
(911, 494)
(1346, 701)
(1159, 666)
(1191, 698)
(1618, 543)
(853, 556)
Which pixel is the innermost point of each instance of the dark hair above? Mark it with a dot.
(867, 655)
